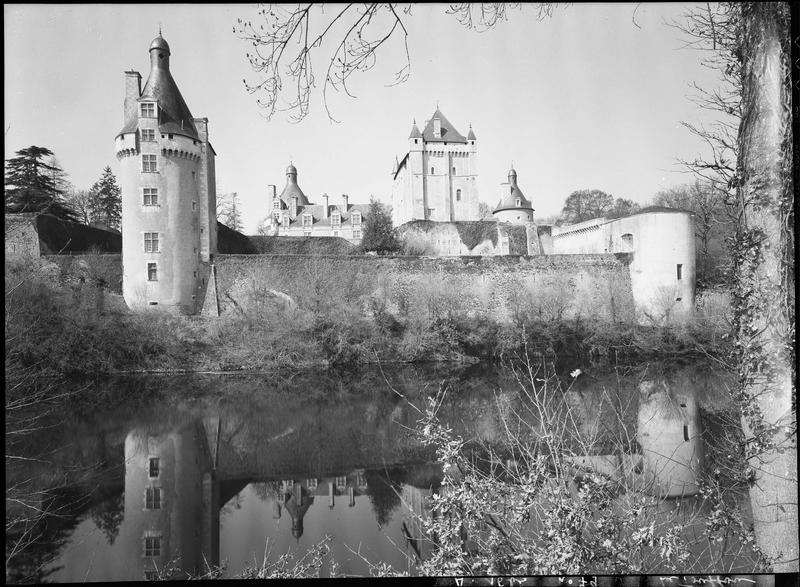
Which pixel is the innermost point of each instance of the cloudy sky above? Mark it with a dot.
(590, 98)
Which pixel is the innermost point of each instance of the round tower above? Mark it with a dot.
(168, 193)
(513, 207)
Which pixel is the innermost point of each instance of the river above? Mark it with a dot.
(182, 472)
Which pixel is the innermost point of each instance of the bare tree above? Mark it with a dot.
(80, 201)
(229, 211)
(285, 42)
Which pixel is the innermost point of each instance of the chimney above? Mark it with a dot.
(271, 192)
(133, 89)
(325, 205)
(293, 207)
(437, 128)
(201, 124)
(344, 202)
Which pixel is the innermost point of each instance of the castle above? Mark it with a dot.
(168, 192)
(293, 215)
(435, 180)
(169, 211)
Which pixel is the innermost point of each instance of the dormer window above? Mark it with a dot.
(307, 220)
(336, 219)
(519, 202)
(355, 219)
(276, 204)
(148, 109)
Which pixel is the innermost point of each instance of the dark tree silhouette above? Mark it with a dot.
(105, 200)
(34, 185)
(379, 235)
(583, 205)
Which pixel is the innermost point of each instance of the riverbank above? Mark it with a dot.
(55, 325)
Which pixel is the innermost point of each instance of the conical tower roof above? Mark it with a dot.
(515, 200)
(292, 189)
(173, 113)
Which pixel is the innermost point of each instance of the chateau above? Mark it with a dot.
(643, 262)
(168, 192)
(435, 180)
(293, 215)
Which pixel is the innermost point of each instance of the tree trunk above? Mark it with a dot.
(763, 293)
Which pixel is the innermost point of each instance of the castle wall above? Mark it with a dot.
(659, 242)
(498, 287)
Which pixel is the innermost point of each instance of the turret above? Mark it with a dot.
(168, 192)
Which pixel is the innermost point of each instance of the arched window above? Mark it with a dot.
(431, 170)
(458, 195)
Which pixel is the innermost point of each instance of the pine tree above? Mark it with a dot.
(105, 202)
(379, 233)
(34, 185)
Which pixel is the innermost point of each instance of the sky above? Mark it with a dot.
(591, 98)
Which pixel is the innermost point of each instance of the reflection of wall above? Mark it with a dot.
(181, 524)
(668, 430)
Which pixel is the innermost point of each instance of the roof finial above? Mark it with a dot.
(437, 104)
(159, 29)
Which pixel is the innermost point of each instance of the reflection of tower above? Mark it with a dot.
(669, 433)
(414, 500)
(171, 501)
(297, 504)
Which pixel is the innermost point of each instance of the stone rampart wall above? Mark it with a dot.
(498, 287)
(105, 269)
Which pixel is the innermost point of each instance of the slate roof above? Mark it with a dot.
(449, 132)
(173, 113)
(317, 211)
(510, 201)
(292, 189)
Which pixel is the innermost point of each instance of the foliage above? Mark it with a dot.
(34, 185)
(105, 200)
(484, 210)
(79, 201)
(229, 211)
(583, 205)
(474, 233)
(379, 234)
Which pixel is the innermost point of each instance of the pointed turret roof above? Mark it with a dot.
(173, 113)
(514, 193)
(292, 189)
(448, 131)
(415, 134)
(471, 135)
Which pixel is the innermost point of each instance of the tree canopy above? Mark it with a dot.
(379, 235)
(229, 211)
(32, 184)
(105, 200)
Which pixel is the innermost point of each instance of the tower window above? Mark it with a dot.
(150, 242)
(148, 134)
(680, 271)
(152, 499)
(194, 206)
(148, 110)
(152, 274)
(686, 434)
(153, 465)
(454, 169)
(170, 136)
(150, 196)
(431, 170)
(149, 164)
(152, 545)
(458, 194)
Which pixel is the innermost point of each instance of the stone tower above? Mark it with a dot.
(513, 207)
(169, 197)
(436, 180)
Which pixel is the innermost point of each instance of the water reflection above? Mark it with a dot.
(221, 481)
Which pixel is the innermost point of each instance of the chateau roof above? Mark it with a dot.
(292, 189)
(449, 132)
(317, 213)
(514, 194)
(471, 135)
(173, 113)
